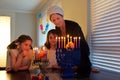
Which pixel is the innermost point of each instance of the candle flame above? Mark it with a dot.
(68, 36)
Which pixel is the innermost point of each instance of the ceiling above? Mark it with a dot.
(20, 5)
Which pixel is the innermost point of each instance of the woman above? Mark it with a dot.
(64, 27)
(19, 54)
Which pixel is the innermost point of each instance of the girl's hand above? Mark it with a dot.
(24, 53)
(55, 66)
(8, 69)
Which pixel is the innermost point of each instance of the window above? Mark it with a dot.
(104, 33)
(4, 38)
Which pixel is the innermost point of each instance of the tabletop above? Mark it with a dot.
(27, 75)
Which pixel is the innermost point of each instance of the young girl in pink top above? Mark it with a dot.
(19, 54)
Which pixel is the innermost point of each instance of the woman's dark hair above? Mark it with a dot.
(52, 31)
(20, 39)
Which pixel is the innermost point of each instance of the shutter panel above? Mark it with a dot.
(104, 23)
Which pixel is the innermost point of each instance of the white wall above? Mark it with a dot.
(25, 23)
(22, 23)
(76, 10)
(12, 15)
(42, 37)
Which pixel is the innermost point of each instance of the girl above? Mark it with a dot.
(51, 48)
(19, 54)
(51, 54)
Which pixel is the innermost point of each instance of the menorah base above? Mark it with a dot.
(68, 73)
(68, 59)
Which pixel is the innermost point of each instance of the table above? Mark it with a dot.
(24, 75)
(21, 75)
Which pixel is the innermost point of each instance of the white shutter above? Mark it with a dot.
(104, 32)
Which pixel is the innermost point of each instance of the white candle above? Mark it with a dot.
(74, 42)
(61, 42)
(79, 42)
(70, 38)
(67, 38)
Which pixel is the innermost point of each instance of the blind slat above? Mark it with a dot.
(104, 37)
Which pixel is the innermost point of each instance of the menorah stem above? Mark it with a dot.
(68, 73)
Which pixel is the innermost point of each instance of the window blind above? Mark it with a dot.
(104, 33)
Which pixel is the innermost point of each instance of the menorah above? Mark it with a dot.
(68, 54)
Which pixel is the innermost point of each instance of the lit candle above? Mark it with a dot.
(42, 53)
(61, 42)
(58, 42)
(70, 38)
(74, 42)
(78, 42)
(64, 42)
(43, 48)
(36, 52)
(67, 38)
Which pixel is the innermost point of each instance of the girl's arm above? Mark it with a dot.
(27, 54)
(16, 61)
(25, 67)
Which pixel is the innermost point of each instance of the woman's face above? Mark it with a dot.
(52, 39)
(57, 19)
(26, 45)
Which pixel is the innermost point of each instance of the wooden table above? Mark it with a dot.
(23, 75)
